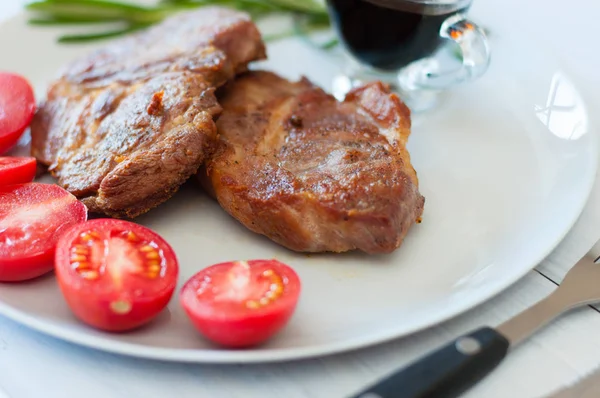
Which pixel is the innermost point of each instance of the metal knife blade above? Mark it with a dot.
(526, 323)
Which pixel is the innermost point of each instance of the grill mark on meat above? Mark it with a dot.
(272, 137)
(313, 174)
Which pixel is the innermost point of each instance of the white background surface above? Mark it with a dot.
(32, 365)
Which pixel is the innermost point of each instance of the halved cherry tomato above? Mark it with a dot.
(32, 216)
(17, 107)
(115, 275)
(15, 170)
(242, 303)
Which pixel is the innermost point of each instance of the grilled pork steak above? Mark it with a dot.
(311, 173)
(124, 127)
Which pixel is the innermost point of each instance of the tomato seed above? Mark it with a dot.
(147, 248)
(90, 275)
(152, 256)
(80, 249)
(87, 236)
(154, 268)
(78, 258)
(252, 304)
(80, 265)
(120, 307)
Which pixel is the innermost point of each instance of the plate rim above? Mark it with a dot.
(216, 356)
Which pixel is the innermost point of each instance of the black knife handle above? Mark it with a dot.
(447, 372)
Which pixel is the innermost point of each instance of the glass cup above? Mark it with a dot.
(408, 44)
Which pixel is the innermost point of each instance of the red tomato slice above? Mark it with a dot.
(243, 303)
(115, 275)
(32, 216)
(17, 107)
(16, 170)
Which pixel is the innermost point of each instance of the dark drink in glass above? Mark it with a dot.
(390, 34)
(397, 42)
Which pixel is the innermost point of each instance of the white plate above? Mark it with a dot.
(506, 166)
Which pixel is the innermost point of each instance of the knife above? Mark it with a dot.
(454, 368)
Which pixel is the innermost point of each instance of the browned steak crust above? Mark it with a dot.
(311, 173)
(125, 126)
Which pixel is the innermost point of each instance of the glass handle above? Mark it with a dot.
(420, 83)
(475, 49)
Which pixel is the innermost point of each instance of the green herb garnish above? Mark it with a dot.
(124, 17)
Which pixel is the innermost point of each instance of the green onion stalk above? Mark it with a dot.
(118, 18)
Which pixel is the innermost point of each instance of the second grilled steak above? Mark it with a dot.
(311, 173)
(124, 127)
